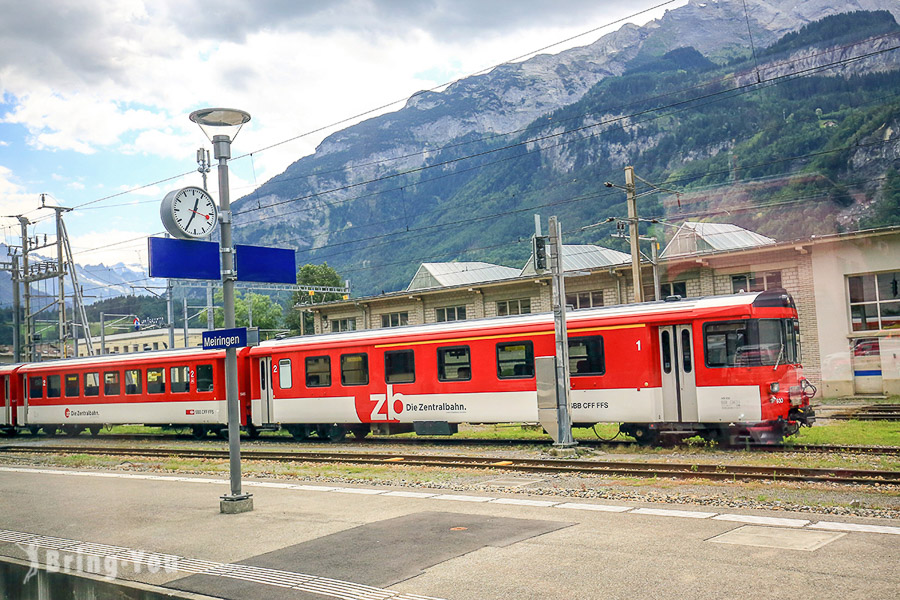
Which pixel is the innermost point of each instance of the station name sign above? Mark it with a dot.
(222, 339)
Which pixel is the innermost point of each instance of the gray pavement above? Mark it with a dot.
(313, 541)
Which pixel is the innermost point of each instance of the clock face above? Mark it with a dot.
(189, 213)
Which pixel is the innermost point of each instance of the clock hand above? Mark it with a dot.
(199, 213)
(193, 210)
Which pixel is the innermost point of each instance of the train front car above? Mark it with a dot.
(179, 387)
(730, 371)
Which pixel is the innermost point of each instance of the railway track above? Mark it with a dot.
(510, 442)
(613, 468)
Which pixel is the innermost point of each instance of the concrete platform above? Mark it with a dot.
(319, 541)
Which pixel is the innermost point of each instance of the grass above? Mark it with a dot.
(852, 433)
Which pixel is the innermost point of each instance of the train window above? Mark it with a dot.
(354, 369)
(686, 350)
(586, 356)
(92, 384)
(133, 381)
(72, 385)
(111, 385)
(454, 364)
(204, 378)
(284, 373)
(35, 387)
(181, 379)
(515, 360)
(399, 366)
(156, 381)
(666, 344)
(318, 371)
(54, 389)
(750, 343)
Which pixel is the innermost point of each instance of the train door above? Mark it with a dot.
(6, 408)
(676, 346)
(266, 394)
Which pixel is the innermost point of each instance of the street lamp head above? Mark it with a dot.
(220, 121)
(606, 183)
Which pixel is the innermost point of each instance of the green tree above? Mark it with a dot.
(311, 275)
(886, 210)
(266, 314)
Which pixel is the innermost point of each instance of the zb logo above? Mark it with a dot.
(387, 406)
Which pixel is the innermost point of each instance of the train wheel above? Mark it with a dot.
(222, 433)
(645, 436)
(72, 430)
(9, 431)
(252, 431)
(198, 431)
(34, 429)
(95, 430)
(51, 430)
(360, 432)
(333, 433)
(299, 432)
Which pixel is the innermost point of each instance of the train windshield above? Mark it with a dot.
(752, 343)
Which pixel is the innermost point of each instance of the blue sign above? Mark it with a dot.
(268, 265)
(221, 339)
(172, 258)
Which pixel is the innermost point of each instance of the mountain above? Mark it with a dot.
(98, 281)
(456, 174)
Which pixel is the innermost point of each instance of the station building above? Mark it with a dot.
(845, 286)
(142, 341)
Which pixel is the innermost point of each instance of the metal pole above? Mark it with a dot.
(17, 312)
(237, 499)
(102, 334)
(170, 313)
(184, 305)
(249, 300)
(210, 316)
(26, 289)
(564, 422)
(654, 256)
(61, 312)
(633, 233)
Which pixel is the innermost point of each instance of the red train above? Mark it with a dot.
(719, 367)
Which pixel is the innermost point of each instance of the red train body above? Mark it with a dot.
(721, 366)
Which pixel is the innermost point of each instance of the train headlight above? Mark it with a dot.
(774, 387)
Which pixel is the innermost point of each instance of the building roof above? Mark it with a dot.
(437, 275)
(699, 238)
(584, 257)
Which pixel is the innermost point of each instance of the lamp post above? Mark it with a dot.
(221, 126)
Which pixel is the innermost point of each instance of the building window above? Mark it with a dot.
(396, 319)
(521, 306)
(875, 301)
(756, 282)
(676, 288)
(584, 299)
(450, 313)
(348, 324)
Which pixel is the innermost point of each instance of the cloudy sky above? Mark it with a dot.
(96, 93)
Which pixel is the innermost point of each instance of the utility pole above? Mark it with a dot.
(26, 291)
(204, 166)
(185, 308)
(633, 235)
(564, 422)
(61, 276)
(170, 314)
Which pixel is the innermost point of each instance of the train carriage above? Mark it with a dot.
(715, 366)
(161, 388)
(10, 404)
